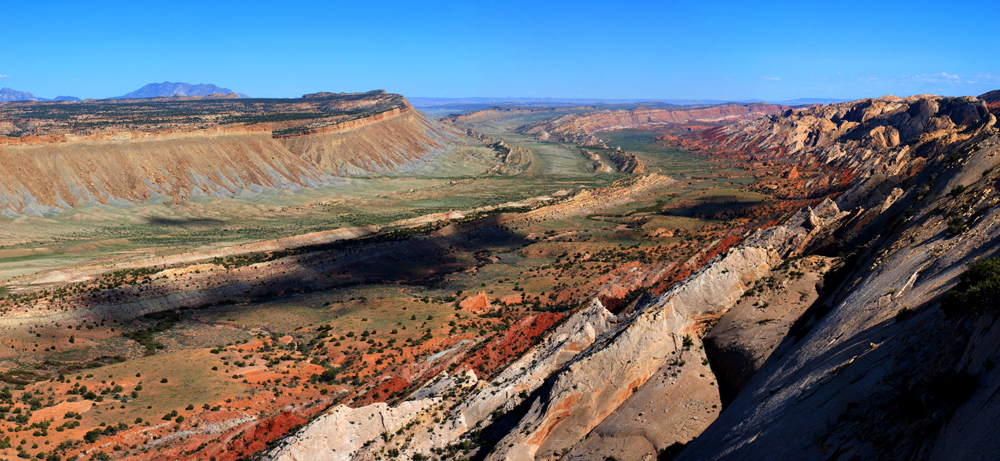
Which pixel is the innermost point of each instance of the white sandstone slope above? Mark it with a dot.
(603, 377)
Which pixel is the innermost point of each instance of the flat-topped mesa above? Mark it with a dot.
(579, 127)
(57, 155)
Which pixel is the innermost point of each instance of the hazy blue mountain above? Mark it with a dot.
(67, 98)
(168, 89)
(7, 94)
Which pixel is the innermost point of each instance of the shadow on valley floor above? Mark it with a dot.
(183, 222)
(714, 206)
(410, 257)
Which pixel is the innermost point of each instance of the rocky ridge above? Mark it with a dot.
(580, 127)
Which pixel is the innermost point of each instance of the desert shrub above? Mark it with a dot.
(671, 452)
(977, 290)
(905, 314)
(956, 225)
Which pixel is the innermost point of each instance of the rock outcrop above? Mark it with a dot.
(877, 370)
(578, 127)
(601, 379)
(992, 100)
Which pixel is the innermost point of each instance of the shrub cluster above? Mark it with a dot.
(977, 291)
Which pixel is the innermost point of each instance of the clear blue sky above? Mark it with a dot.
(612, 49)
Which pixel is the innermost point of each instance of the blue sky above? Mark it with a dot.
(620, 49)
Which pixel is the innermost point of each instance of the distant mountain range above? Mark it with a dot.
(168, 89)
(152, 90)
(7, 94)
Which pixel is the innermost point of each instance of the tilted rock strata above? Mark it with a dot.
(339, 432)
(521, 377)
(878, 143)
(524, 375)
(743, 339)
(595, 384)
(579, 127)
(862, 381)
(675, 405)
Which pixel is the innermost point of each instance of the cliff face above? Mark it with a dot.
(579, 127)
(55, 172)
(384, 142)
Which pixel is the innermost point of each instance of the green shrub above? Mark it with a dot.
(977, 290)
(956, 225)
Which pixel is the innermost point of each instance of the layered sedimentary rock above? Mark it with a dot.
(878, 370)
(597, 383)
(57, 172)
(578, 127)
(348, 430)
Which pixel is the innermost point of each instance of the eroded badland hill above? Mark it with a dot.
(341, 277)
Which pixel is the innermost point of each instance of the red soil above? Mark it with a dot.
(510, 344)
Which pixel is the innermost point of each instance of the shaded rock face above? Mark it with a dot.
(675, 405)
(742, 340)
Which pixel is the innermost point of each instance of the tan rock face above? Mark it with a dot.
(478, 303)
(346, 430)
(674, 406)
(341, 431)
